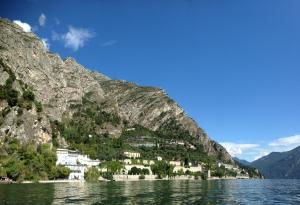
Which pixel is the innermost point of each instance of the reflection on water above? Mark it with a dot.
(26, 194)
(155, 192)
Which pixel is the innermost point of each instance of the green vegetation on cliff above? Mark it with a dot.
(83, 132)
(27, 162)
(9, 93)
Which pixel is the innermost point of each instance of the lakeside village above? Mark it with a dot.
(135, 168)
(66, 165)
(46, 164)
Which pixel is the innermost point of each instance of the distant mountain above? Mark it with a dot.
(242, 161)
(280, 165)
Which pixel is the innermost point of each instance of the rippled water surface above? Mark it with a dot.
(155, 192)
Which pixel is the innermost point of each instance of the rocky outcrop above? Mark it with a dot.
(58, 84)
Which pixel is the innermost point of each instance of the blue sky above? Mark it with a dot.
(234, 66)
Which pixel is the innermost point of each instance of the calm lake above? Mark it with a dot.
(155, 192)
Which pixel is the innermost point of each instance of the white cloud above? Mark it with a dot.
(75, 38)
(293, 141)
(42, 19)
(235, 149)
(46, 43)
(25, 26)
(109, 43)
(255, 151)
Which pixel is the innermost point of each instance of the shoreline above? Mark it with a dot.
(124, 178)
(53, 181)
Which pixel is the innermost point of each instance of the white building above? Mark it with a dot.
(178, 168)
(175, 163)
(159, 158)
(130, 129)
(132, 154)
(227, 166)
(138, 161)
(75, 161)
(148, 162)
(196, 168)
(193, 147)
(127, 161)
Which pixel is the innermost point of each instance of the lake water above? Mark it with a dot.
(155, 192)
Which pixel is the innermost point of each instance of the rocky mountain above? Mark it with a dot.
(280, 165)
(242, 161)
(42, 96)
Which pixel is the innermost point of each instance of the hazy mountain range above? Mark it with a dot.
(277, 165)
(280, 165)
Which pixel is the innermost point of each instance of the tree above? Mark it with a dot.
(186, 162)
(62, 172)
(162, 169)
(188, 172)
(180, 172)
(52, 174)
(145, 171)
(59, 172)
(39, 107)
(107, 175)
(134, 171)
(28, 162)
(92, 174)
(2, 172)
(28, 95)
(14, 169)
(12, 97)
(49, 156)
(29, 152)
(113, 166)
(220, 171)
(13, 146)
(197, 175)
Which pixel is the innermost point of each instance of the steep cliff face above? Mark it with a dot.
(59, 85)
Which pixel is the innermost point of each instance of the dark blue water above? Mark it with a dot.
(155, 192)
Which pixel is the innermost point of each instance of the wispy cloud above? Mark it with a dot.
(75, 38)
(46, 43)
(260, 153)
(108, 43)
(292, 141)
(42, 19)
(235, 149)
(25, 26)
(255, 151)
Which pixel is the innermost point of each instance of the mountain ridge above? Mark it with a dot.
(60, 85)
(278, 165)
(242, 161)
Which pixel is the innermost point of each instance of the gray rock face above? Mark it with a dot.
(58, 84)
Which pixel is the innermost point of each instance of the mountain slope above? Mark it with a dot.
(63, 86)
(279, 165)
(242, 161)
